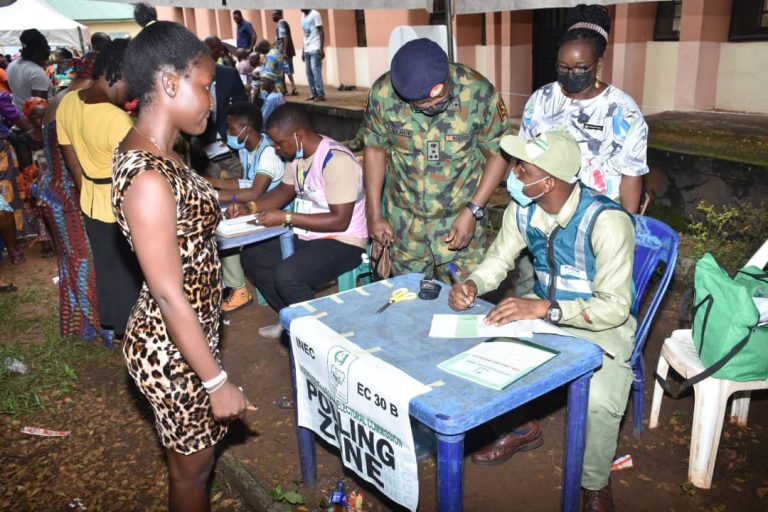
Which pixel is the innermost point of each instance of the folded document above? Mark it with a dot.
(498, 362)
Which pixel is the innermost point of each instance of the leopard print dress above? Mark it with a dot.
(183, 416)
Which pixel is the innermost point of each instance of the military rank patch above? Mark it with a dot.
(433, 150)
(502, 109)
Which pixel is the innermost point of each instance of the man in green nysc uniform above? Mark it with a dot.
(433, 129)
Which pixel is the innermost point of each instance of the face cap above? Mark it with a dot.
(555, 152)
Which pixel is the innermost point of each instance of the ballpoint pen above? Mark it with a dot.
(455, 280)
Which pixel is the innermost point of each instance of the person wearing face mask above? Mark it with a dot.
(436, 127)
(604, 120)
(262, 170)
(583, 246)
(328, 217)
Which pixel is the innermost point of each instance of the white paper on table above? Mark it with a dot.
(472, 326)
(541, 327)
(237, 226)
(761, 303)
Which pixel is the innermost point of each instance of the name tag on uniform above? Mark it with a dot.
(457, 138)
(301, 205)
(568, 270)
(597, 127)
(403, 133)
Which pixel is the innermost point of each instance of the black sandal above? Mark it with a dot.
(8, 288)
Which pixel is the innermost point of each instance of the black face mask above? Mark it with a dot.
(437, 108)
(573, 83)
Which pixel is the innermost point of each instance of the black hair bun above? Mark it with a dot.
(144, 14)
(597, 14)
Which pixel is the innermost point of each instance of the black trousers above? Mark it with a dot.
(284, 282)
(118, 275)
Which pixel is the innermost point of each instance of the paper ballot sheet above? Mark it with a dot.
(237, 226)
(472, 326)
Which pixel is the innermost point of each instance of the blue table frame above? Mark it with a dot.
(454, 408)
(285, 234)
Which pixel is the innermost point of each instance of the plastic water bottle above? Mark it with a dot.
(338, 498)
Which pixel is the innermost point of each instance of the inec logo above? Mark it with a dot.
(339, 361)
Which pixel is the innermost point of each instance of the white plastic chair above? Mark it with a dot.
(710, 396)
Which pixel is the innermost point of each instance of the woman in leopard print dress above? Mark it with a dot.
(169, 215)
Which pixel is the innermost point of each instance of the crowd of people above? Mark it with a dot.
(132, 193)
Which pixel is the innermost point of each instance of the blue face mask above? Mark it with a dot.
(233, 141)
(515, 187)
(299, 147)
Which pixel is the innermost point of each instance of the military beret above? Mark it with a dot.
(417, 67)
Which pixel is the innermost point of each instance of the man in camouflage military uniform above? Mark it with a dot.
(436, 127)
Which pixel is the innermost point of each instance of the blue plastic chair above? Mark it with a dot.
(358, 276)
(656, 243)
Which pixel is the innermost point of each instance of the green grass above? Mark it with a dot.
(30, 333)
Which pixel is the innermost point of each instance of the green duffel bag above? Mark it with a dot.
(725, 331)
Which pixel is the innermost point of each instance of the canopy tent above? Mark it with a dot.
(24, 14)
(457, 6)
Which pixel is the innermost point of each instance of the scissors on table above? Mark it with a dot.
(399, 295)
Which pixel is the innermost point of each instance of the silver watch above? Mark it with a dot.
(477, 211)
(554, 313)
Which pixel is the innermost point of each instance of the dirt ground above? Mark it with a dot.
(112, 460)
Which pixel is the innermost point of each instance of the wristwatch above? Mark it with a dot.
(477, 211)
(287, 222)
(554, 313)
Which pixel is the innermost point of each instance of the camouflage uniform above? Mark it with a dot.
(434, 167)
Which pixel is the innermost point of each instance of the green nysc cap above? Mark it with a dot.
(556, 152)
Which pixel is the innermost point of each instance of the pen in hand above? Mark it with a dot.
(231, 207)
(455, 280)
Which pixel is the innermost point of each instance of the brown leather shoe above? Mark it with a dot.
(597, 501)
(507, 445)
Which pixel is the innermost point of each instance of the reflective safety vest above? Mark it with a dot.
(564, 262)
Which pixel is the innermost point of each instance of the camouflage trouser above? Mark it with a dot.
(420, 246)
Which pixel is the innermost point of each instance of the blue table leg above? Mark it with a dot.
(450, 472)
(575, 440)
(306, 438)
(286, 244)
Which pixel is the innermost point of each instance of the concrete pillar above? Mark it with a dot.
(205, 23)
(704, 26)
(632, 29)
(168, 13)
(468, 31)
(340, 43)
(518, 65)
(225, 26)
(190, 20)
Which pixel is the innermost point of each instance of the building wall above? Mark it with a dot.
(701, 72)
(113, 27)
(742, 77)
(660, 76)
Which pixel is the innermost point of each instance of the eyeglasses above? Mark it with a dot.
(576, 70)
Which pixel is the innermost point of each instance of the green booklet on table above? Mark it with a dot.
(498, 362)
